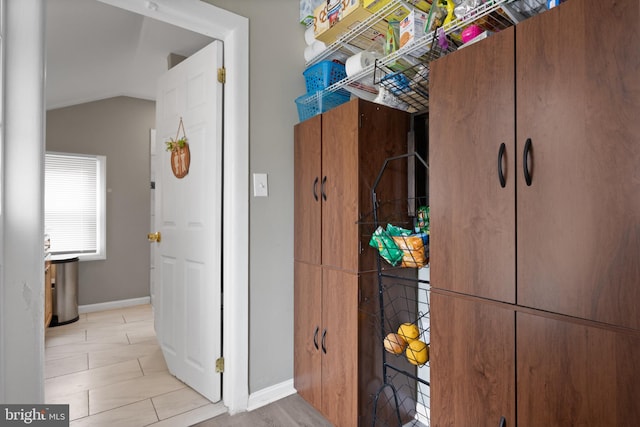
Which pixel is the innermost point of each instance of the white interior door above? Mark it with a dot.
(188, 215)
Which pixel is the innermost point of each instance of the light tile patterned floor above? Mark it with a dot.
(109, 368)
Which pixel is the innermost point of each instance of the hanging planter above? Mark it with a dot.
(180, 154)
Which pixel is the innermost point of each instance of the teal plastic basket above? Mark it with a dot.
(323, 74)
(324, 101)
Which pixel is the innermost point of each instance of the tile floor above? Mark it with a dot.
(109, 368)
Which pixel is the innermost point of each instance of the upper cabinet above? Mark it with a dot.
(472, 154)
(308, 190)
(535, 190)
(337, 157)
(578, 103)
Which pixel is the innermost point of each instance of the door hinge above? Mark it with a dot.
(220, 365)
(222, 75)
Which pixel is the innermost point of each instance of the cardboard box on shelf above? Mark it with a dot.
(335, 17)
(398, 13)
(412, 28)
(307, 7)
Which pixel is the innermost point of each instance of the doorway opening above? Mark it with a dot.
(233, 30)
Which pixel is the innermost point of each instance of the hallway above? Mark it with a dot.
(109, 368)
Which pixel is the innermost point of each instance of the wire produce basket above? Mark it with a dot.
(403, 321)
(405, 333)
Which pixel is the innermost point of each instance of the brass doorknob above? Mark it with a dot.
(154, 237)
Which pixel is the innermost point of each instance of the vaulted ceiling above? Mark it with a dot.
(97, 51)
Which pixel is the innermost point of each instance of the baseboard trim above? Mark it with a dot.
(112, 305)
(270, 394)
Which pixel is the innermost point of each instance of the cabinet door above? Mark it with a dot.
(472, 363)
(307, 311)
(382, 135)
(471, 115)
(306, 188)
(571, 374)
(340, 187)
(340, 348)
(579, 104)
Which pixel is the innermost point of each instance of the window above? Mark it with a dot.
(75, 204)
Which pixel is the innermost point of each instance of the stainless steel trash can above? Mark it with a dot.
(65, 291)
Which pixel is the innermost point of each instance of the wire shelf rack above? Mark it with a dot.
(412, 60)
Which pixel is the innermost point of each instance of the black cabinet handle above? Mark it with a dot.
(503, 422)
(324, 337)
(324, 195)
(315, 338)
(525, 161)
(315, 189)
(503, 182)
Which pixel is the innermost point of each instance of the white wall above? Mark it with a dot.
(276, 45)
(22, 279)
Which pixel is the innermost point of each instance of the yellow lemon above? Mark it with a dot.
(394, 343)
(409, 332)
(417, 352)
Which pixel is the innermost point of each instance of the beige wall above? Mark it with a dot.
(276, 45)
(119, 129)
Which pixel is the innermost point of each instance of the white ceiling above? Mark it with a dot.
(97, 51)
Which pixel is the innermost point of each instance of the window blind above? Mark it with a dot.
(72, 203)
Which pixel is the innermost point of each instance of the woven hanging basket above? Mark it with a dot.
(180, 153)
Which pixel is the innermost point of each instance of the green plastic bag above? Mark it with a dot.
(387, 248)
(395, 231)
(422, 220)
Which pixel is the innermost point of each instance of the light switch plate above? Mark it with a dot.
(260, 185)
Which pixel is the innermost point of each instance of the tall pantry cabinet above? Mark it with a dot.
(535, 222)
(338, 155)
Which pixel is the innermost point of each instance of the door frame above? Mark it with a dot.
(233, 30)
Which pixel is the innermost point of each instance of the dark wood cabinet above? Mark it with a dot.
(307, 187)
(577, 222)
(473, 377)
(326, 341)
(576, 373)
(578, 102)
(339, 346)
(473, 216)
(308, 332)
(535, 195)
(492, 358)
(337, 157)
